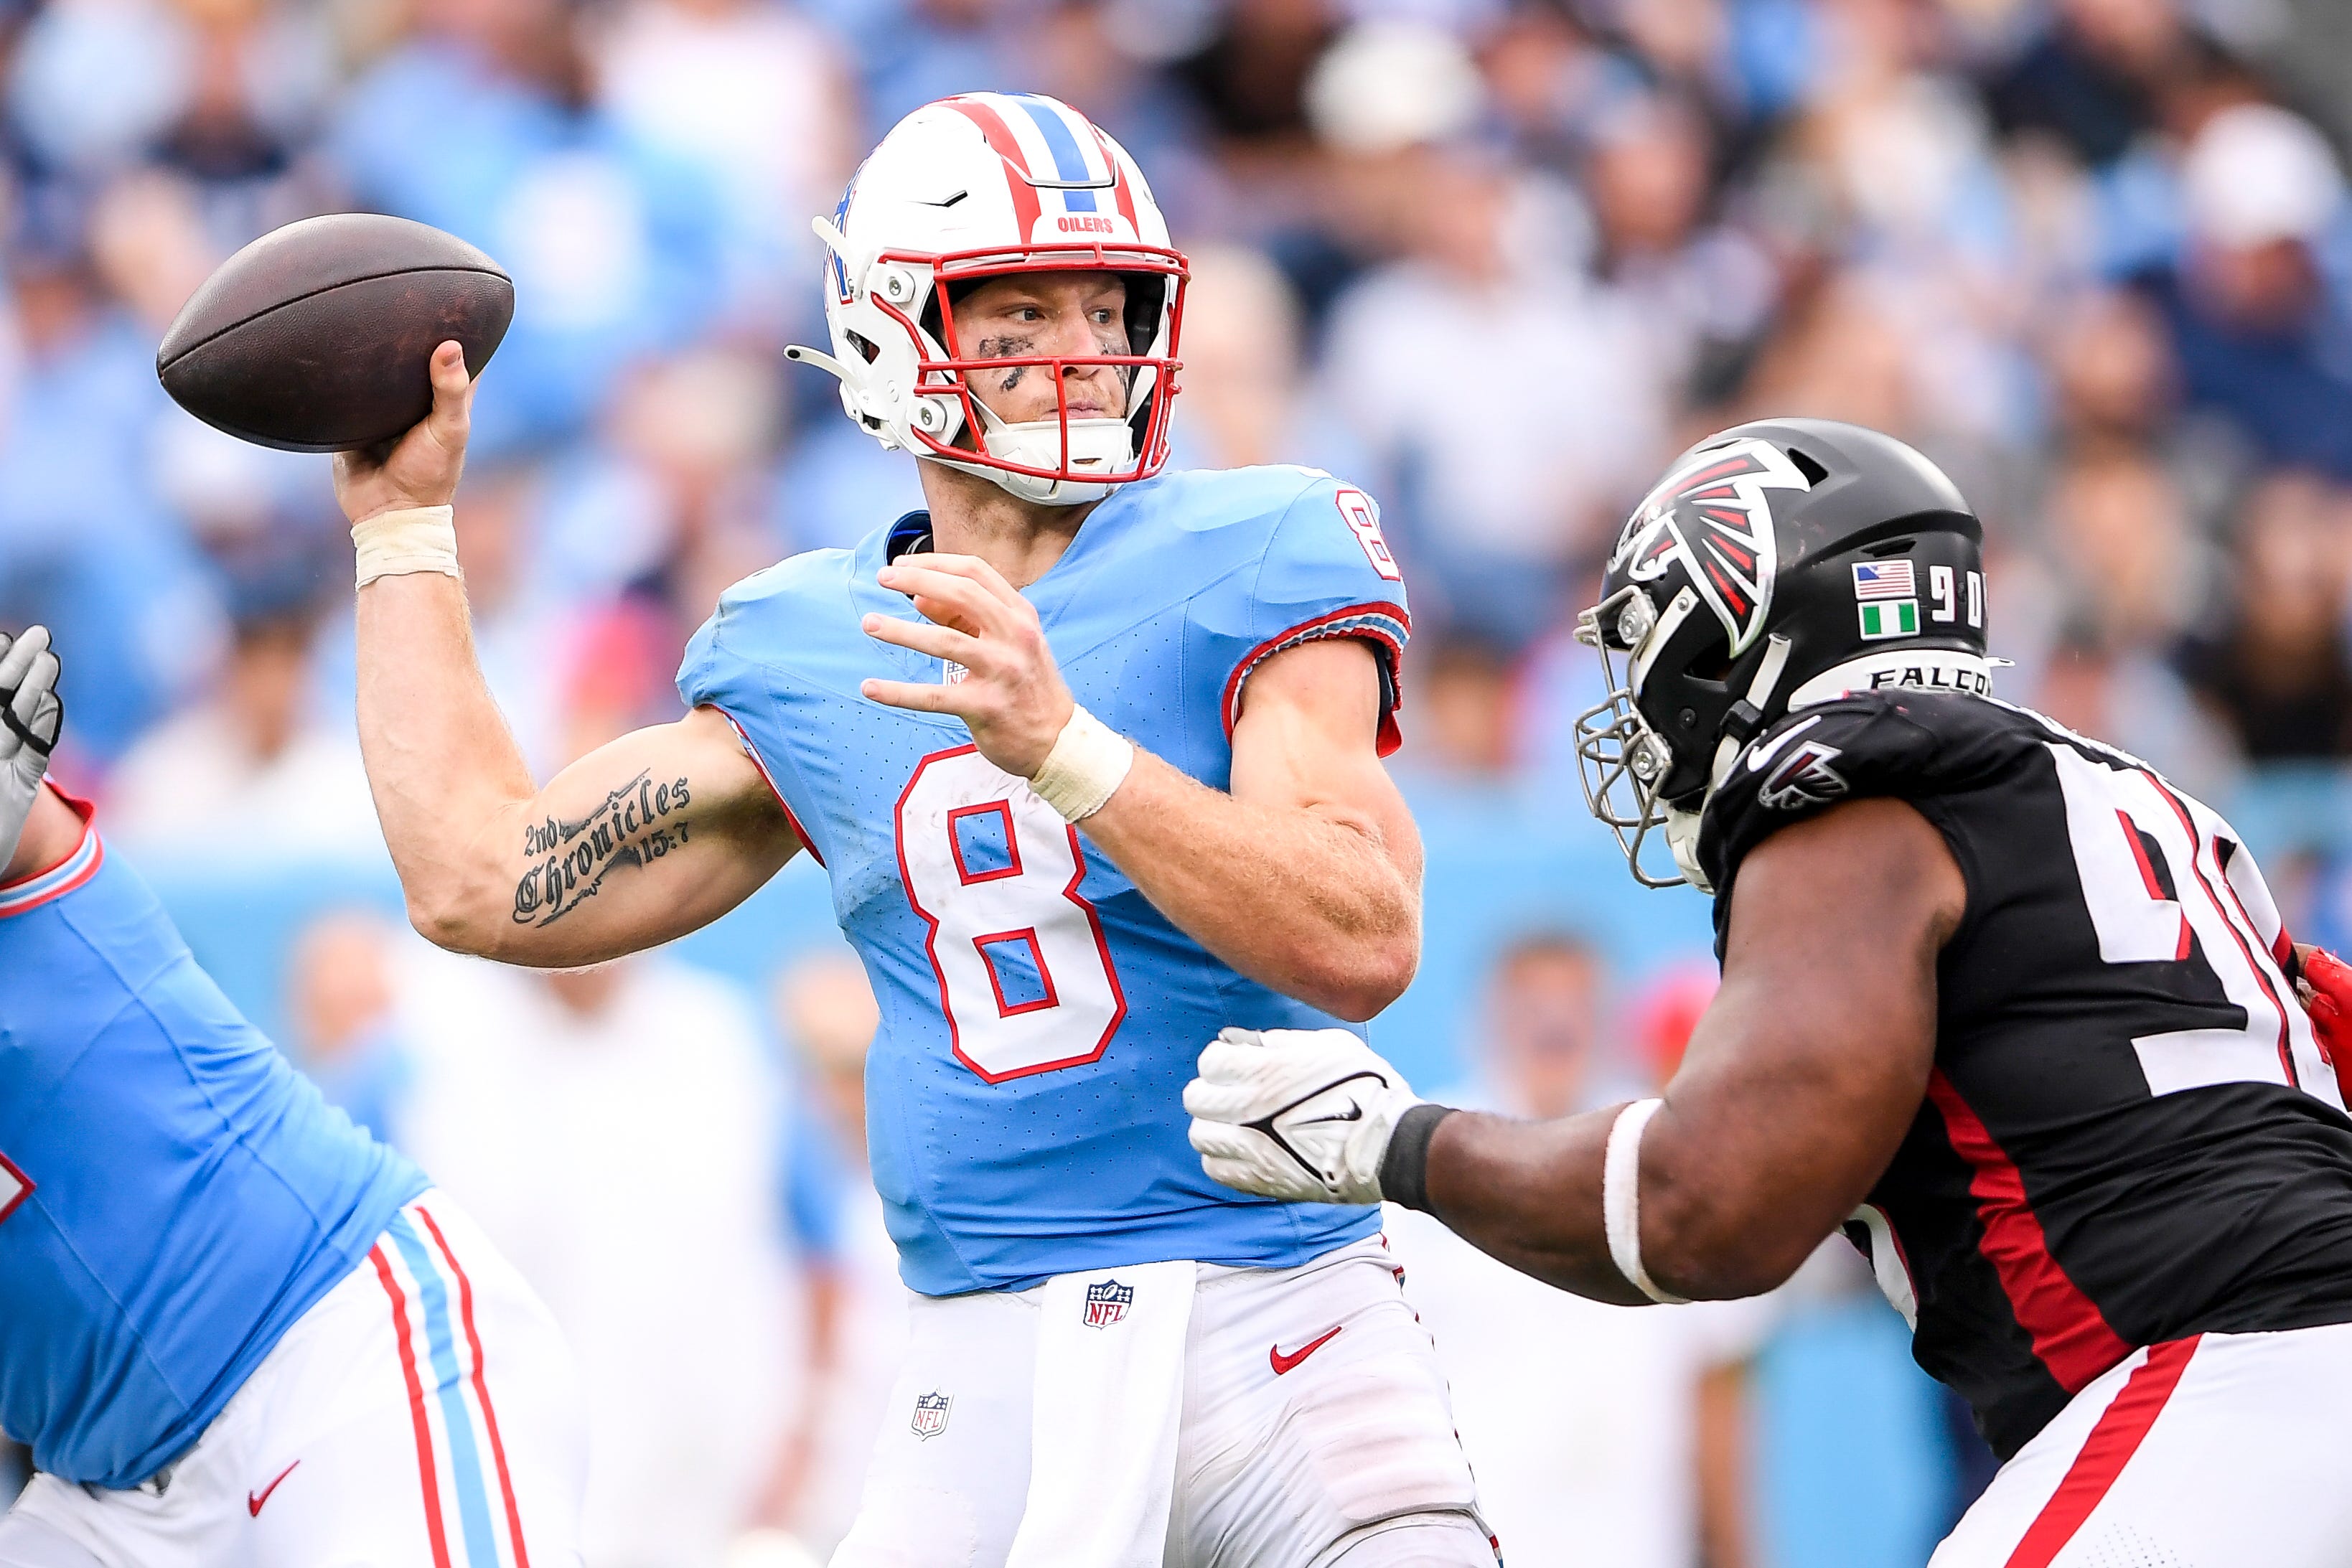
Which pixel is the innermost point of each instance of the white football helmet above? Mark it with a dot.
(974, 187)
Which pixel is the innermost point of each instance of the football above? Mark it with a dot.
(314, 338)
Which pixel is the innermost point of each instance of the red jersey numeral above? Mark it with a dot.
(1025, 976)
(13, 1187)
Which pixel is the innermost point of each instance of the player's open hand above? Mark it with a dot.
(1011, 697)
(1303, 1114)
(424, 465)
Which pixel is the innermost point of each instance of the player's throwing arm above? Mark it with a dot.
(640, 841)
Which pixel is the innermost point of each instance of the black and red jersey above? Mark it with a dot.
(2130, 1134)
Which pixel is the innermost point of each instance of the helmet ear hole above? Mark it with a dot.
(865, 345)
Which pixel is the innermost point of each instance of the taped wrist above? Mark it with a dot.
(1089, 763)
(1404, 1168)
(412, 539)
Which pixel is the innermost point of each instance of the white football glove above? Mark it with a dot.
(1302, 1114)
(31, 714)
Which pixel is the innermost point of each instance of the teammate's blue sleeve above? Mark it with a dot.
(1326, 572)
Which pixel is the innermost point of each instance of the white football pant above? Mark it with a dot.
(2220, 1451)
(1306, 1419)
(423, 1413)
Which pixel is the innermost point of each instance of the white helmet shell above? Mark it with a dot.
(974, 187)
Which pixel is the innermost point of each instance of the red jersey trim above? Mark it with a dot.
(1377, 622)
(2069, 1334)
(80, 865)
(760, 763)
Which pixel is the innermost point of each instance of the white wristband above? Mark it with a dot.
(1089, 763)
(1621, 1198)
(414, 538)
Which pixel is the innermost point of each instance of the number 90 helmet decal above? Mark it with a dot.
(1778, 564)
(975, 187)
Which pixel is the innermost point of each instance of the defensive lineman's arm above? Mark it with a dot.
(1306, 876)
(640, 841)
(1797, 1089)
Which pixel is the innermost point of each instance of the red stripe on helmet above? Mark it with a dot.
(1025, 207)
(1118, 180)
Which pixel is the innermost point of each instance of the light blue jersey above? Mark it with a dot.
(172, 1194)
(1040, 1019)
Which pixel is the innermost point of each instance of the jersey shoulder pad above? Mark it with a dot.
(1248, 501)
(1319, 570)
(755, 621)
(1909, 745)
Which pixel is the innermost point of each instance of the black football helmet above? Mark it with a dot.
(1779, 563)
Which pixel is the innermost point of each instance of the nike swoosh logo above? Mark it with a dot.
(253, 1500)
(1762, 755)
(1355, 1114)
(1282, 1364)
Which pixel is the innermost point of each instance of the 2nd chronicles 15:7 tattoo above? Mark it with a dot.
(638, 822)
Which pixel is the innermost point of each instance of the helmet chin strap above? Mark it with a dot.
(1682, 837)
(1747, 714)
(1681, 825)
(1102, 443)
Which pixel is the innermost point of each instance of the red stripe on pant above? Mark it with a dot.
(2069, 1334)
(424, 1468)
(2114, 1437)
(481, 1387)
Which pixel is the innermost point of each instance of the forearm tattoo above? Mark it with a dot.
(639, 822)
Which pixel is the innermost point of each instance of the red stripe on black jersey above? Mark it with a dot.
(2070, 1335)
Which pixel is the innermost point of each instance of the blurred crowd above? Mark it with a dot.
(1494, 260)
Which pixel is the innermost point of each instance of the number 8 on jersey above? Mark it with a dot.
(1026, 976)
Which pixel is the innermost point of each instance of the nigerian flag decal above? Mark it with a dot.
(1890, 618)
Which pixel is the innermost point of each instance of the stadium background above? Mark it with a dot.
(1495, 261)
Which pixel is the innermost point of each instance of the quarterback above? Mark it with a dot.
(1091, 757)
(1998, 1000)
(235, 1331)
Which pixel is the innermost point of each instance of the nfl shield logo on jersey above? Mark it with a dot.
(1106, 1302)
(931, 1414)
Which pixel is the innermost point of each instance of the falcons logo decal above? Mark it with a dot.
(1713, 514)
(1804, 777)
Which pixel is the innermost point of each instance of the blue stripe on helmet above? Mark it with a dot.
(1069, 164)
(465, 1458)
(840, 268)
